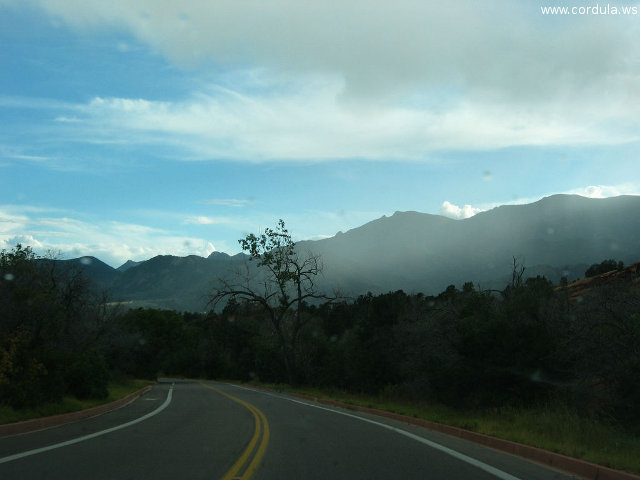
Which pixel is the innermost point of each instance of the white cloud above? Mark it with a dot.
(115, 251)
(450, 210)
(307, 121)
(200, 220)
(204, 220)
(25, 240)
(368, 78)
(10, 222)
(591, 191)
(112, 242)
(606, 191)
(14, 153)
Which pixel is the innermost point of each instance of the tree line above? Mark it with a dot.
(528, 344)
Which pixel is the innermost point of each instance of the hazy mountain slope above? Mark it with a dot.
(388, 251)
(420, 252)
(562, 228)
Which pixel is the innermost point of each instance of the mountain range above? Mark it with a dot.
(558, 236)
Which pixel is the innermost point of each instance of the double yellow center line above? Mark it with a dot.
(246, 465)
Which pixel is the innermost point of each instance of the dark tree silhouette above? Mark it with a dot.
(281, 282)
(603, 267)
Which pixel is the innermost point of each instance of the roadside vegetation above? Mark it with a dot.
(61, 348)
(532, 363)
(552, 427)
(69, 403)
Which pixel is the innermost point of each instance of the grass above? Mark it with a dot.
(68, 404)
(554, 428)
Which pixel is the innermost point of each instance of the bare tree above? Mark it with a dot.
(280, 282)
(517, 273)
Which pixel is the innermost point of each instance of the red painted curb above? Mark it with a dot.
(571, 465)
(56, 420)
(562, 462)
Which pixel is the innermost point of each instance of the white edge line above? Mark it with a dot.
(460, 456)
(28, 453)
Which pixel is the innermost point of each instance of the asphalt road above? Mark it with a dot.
(192, 430)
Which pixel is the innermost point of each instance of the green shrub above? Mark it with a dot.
(88, 376)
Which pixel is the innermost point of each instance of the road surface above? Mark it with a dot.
(206, 430)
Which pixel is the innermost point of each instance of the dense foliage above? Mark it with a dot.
(529, 344)
(603, 267)
(51, 324)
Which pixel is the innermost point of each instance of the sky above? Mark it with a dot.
(136, 128)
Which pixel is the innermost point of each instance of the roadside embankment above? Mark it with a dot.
(56, 420)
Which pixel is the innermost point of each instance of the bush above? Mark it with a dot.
(23, 376)
(603, 267)
(88, 376)
(48, 320)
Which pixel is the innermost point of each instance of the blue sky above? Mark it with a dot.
(144, 127)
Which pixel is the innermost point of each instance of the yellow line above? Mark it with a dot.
(257, 458)
(261, 427)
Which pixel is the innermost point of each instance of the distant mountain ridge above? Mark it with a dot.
(557, 236)
(127, 265)
(100, 273)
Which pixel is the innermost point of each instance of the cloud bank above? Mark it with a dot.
(605, 191)
(378, 47)
(69, 234)
(456, 212)
(450, 210)
(113, 242)
(365, 78)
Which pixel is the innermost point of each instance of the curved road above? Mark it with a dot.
(192, 430)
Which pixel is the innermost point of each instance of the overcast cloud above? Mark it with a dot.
(367, 79)
(380, 47)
